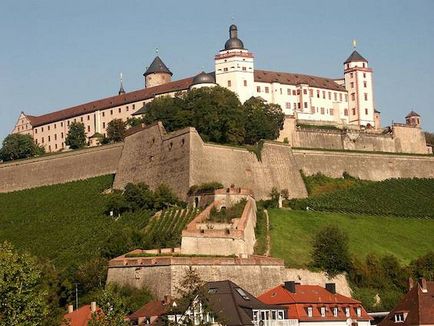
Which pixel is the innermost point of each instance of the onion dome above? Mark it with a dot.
(157, 66)
(355, 57)
(234, 42)
(203, 78)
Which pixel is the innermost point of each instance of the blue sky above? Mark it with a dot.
(56, 54)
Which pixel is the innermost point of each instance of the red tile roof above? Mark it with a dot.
(151, 309)
(80, 317)
(179, 85)
(315, 297)
(296, 79)
(109, 102)
(417, 305)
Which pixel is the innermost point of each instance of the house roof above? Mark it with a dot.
(179, 85)
(296, 79)
(232, 303)
(151, 309)
(355, 57)
(412, 114)
(79, 317)
(316, 297)
(157, 66)
(417, 304)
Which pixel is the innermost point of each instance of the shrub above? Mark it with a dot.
(76, 137)
(18, 146)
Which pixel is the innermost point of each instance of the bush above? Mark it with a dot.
(76, 137)
(330, 251)
(116, 130)
(205, 188)
(18, 146)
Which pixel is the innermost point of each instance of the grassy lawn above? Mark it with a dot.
(65, 223)
(406, 238)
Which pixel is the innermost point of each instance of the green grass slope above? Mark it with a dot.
(397, 197)
(64, 222)
(292, 233)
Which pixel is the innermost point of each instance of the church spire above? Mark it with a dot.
(121, 89)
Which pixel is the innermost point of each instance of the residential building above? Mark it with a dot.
(81, 316)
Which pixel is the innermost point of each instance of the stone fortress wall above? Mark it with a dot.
(401, 139)
(256, 274)
(181, 159)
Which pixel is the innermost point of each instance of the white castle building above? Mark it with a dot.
(348, 101)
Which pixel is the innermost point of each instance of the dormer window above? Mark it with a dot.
(399, 317)
(347, 312)
(335, 311)
(323, 311)
(309, 311)
(359, 312)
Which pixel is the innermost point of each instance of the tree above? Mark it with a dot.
(92, 274)
(263, 121)
(330, 251)
(22, 299)
(423, 266)
(76, 137)
(18, 146)
(113, 309)
(116, 130)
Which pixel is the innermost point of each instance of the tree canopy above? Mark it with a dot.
(116, 130)
(18, 146)
(22, 298)
(76, 137)
(218, 115)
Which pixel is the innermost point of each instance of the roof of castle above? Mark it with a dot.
(157, 66)
(412, 114)
(175, 86)
(355, 57)
(204, 78)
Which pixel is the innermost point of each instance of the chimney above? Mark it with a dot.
(290, 286)
(422, 283)
(331, 287)
(70, 308)
(93, 306)
(410, 283)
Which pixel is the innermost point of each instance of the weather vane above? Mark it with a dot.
(354, 44)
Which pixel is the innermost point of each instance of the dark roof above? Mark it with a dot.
(417, 304)
(204, 78)
(109, 102)
(234, 42)
(157, 66)
(233, 304)
(355, 57)
(412, 114)
(151, 309)
(296, 79)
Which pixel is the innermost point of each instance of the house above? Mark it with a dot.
(150, 312)
(225, 303)
(81, 316)
(314, 305)
(416, 308)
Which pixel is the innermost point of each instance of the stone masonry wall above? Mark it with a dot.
(374, 167)
(255, 274)
(59, 168)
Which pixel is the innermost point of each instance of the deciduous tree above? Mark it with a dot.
(116, 130)
(76, 137)
(18, 146)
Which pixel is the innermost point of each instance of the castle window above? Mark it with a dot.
(42, 129)
(352, 84)
(305, 91)
(49, 138)
(346, 97)
(322, 110)
(299, 105)
(399, 317)
(225, 69)
(366, 111)
(55, 146)
(61, 124)
(295, 106)
(309, 311)
(294, 92)
(363, 65)
(335, 311)
(323, 94)
(42, 140)
(244, 68)
(229, 83)
(366, 96)
(127, 108)
(267, 90)
(245, 82)
(365, 84)
(359, 312)
(103, 124)
(340, 97)
(331, 112)
(258, 89)
(317, 93)
(330, 95)
(335, 96)
(134, 106)
(88, 128)
(312, 110)
(288, 105)
(75, 120)
(305, 105)
(55, 126)
(36, 141)
(288, 91)
(81, 119)
(48, 127)
(55, 136)
(49, 148)
(111, 112)
(120, 110)
(61, 135)
(347, 312)
(311, 92)
(36, 131)
(364, 75)
(351, 75)
(354, 111)
(323, 311)
(281, 91)
(353, 96)
(103, 114)
(298, 92)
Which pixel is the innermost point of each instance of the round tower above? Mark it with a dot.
(157, 73)
(203, 80)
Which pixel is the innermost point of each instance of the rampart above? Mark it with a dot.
(59, 168)
(256, 274)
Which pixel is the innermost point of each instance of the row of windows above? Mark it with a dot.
(230, 83)
(363, 65)
(335, 310)
(233, 67)
(298, 92)
(352, 75)
(365, 84)
(353, 96)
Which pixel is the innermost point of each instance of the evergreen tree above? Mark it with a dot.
(76, 137)
(18, 146)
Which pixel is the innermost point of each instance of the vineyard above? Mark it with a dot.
(396, 197)
(164, 230)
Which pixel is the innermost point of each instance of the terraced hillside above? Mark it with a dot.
(164, 229)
